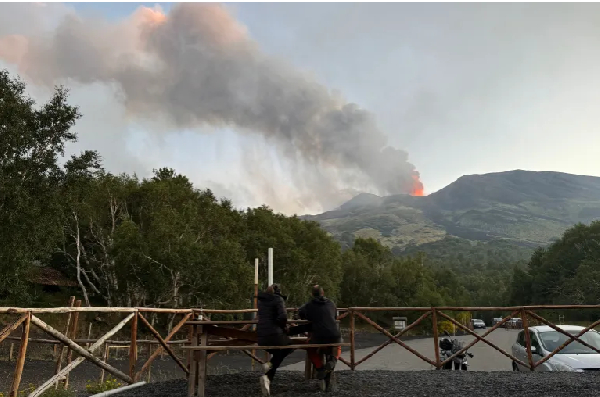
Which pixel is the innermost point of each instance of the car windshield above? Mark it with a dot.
(553, 339)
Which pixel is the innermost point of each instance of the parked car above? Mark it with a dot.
(478, 323)
(496, 320)
(574, 357)
(514, 323)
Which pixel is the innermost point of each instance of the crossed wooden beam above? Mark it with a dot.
(393, 338)
(438, 363)
(88, 353)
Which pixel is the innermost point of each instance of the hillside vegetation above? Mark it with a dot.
(481, 217)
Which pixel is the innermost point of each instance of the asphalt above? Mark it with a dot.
(396, 358)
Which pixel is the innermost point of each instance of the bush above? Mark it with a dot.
(99, 387)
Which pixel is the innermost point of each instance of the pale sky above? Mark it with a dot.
(463, 88)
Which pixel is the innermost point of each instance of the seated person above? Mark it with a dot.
(270, 330)
(323, 328)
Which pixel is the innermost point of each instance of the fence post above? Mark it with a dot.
(133, 347)
(352, 341)
(527, 338)
(105, 356)
(14, 389)
(74, 329)
(435, 338)
(61, 351)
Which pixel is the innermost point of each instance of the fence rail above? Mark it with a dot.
(136, 318)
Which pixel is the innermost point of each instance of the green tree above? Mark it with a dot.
(31, 141)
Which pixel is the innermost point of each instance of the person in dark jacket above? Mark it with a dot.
(323, 328)
(271, 331)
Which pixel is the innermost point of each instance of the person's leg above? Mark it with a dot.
(265, 380)
(315, 357)
(333, 355)
(277, 357)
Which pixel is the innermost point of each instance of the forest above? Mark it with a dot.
(163, 242)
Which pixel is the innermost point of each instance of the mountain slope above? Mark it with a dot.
(523, 208)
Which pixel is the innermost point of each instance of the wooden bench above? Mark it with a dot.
(236, 340)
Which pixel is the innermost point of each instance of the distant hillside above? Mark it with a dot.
(512, 211)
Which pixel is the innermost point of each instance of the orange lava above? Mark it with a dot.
(417, 186)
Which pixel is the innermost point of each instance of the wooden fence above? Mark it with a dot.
(26, 317)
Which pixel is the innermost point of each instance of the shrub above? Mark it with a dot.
(99, 387)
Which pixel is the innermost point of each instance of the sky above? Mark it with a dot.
(462, 88)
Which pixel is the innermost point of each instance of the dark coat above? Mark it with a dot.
(322, 313)
(272, 320)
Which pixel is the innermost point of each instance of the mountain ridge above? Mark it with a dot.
(525, 208)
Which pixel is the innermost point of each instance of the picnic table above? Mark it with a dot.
(203, 345)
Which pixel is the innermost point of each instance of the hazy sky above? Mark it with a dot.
(463, 88)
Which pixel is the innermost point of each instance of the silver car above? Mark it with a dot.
(574, 357)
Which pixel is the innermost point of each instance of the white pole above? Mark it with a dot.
(255, 271)
(270, 266)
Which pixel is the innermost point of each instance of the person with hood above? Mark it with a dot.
(271, 331)
(323, 328)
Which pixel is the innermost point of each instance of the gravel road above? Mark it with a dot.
(391, 383)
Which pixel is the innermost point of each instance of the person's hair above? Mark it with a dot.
(317, 291)
(273, 289)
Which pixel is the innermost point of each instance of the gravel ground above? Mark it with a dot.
(392, 383)
(37, 371)
(393, 357)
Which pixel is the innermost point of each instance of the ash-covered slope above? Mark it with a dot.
(526, 208)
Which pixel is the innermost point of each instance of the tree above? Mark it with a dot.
(31, 141)
(566, 272)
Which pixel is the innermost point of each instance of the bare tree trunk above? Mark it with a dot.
(78, 261)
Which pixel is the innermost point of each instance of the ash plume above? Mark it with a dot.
(198, 67)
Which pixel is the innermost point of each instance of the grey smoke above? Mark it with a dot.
(196, 67)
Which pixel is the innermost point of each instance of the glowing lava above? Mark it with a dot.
(417, 186)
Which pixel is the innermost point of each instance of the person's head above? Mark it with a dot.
(275, 289)
(317, 291)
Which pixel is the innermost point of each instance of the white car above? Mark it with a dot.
(574, 357)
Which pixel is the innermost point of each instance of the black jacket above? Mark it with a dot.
(321, 312)
(272, 319)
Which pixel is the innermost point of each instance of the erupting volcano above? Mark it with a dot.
(418, 186)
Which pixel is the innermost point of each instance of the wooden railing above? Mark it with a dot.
(137, 317)
(525, 313)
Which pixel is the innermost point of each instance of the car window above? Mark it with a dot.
(553, 339)
(534, 339)
(521, 339)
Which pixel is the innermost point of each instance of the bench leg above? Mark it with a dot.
(308, 367)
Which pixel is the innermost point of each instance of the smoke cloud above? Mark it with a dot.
(198, 67)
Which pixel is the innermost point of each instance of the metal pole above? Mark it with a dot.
(255, 303)
(270, 266)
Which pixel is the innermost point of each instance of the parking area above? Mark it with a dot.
(395, 358)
